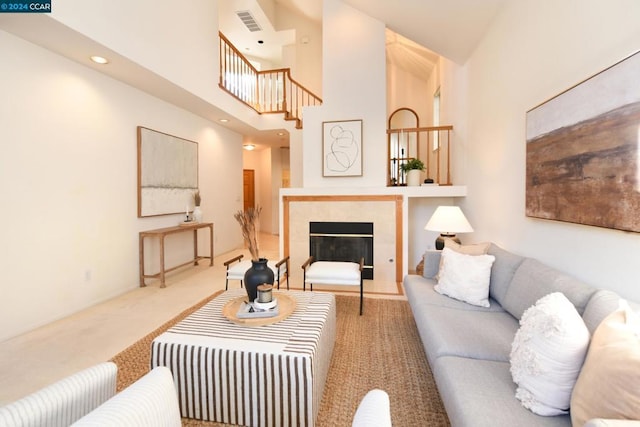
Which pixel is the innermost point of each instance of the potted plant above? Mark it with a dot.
(412, 168)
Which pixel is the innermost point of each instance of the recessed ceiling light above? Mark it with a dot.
(280, 133)
(224, 120)
(249, 147)
(99, 59)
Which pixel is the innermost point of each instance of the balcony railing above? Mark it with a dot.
(269, 91)
(432, 145)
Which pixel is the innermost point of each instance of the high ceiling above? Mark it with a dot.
(450, 28)
(418, 31)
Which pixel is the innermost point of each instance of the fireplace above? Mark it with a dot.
(343, 241)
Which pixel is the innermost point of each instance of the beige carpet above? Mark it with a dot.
(380, 349)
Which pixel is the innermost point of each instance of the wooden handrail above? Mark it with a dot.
(394, 174)
(421, 129)
(269, 91)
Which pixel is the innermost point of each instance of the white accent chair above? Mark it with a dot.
(150, 401)
(88, 398)
(336, 273)
(374, 410)
(236, 271)
(64, 401)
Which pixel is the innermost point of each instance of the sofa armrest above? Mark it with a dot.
(431, 260)
(602, 422)
(374, 410)
(64, 401)
(150, 401)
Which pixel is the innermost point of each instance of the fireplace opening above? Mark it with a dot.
(343, 241)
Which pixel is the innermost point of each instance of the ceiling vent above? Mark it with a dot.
(247, 19)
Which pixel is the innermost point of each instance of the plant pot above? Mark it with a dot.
(257, 274)
(413, 177)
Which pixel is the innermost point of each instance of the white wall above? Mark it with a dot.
(535, 50)
(171, 41)
(68, 167)
(354, 88)
(404, 90)
(305, 56)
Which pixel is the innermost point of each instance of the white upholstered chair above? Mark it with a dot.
(335, 273)
(88, 398)
(236, 268)
(150, 401)
(64, 401)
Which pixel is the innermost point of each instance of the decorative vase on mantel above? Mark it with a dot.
(257, 274)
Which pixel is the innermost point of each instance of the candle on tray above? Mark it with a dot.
(264, 293)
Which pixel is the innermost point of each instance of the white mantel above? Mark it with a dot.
(417, 205)
(422, 191)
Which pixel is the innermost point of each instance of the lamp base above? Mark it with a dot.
(441, 238)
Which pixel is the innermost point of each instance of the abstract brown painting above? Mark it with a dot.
(582, 152)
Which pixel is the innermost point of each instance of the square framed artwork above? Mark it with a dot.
(342, 148)
(583, 153)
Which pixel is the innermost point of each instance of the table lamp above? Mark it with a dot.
(448, 220)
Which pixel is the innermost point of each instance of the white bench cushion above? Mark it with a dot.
(236, 272)
(333, 273)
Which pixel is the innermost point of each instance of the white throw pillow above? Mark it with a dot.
(547, 354)
(465, 277)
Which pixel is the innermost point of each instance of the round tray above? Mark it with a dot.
(286, 305)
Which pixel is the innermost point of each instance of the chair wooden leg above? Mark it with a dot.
(361, 294)
(286, 274)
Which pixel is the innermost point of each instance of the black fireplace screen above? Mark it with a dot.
(343, 241)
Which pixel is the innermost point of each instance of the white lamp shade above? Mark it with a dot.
(449, 220)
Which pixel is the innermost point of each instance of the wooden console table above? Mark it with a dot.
(161, 233)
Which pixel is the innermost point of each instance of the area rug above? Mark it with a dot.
(380, 349)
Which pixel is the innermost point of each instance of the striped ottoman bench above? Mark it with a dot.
(272, 375)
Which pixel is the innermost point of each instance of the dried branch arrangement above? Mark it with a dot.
(248, 220)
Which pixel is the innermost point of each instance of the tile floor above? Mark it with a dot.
(42, 356)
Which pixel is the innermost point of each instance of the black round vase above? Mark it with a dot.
(258, 274)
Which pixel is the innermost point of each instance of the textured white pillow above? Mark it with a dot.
(465, 277)
(547, 354)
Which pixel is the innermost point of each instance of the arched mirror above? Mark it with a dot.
(403, 143)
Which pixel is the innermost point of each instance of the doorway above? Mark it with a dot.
(248, 188)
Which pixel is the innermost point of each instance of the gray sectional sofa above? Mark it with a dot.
(468, 347)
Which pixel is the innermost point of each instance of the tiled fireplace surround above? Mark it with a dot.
(387, 208)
